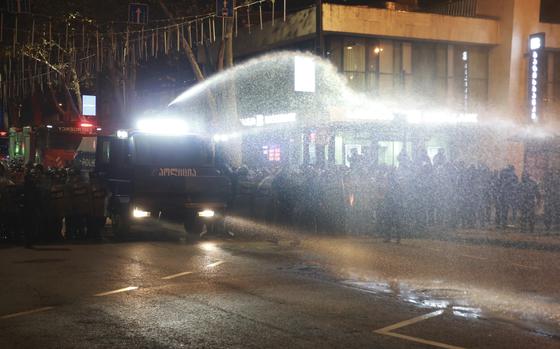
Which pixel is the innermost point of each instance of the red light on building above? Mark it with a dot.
(3, 133)
(272, 153)
(86, 124)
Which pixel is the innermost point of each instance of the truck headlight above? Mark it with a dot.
(206, 213)
(122, 134)
(138, 213)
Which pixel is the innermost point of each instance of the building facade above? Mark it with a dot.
(470, 60)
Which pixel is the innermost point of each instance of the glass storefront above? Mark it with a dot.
(471, 77)
(555, 83)
(429, 71)
(384, 148)
(336, 143)
(354, 62)
(435, 73)
(388, 152)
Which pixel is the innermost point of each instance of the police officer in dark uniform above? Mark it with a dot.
(6, 203)
(529, 198)
(507, 194)
(244, 193)
(551, 187)
(440, 159)
(78, 192)
(281, 187)
(31, 208)
(392, 209)
(43, 186)
(56, 205)
(97, 217)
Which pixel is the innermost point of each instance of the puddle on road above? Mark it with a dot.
(373, 287)
(423, 298)
(537, 314)
(469, 304)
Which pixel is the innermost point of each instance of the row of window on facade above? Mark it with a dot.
(441, 74)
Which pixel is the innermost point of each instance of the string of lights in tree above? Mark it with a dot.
(32, 57)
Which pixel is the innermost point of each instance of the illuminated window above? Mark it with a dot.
(272, 153)
(550, 11)
(354, 62)
(89, 105)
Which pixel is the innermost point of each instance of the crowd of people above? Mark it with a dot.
(49, 205)
(363, 198)
(406, 199)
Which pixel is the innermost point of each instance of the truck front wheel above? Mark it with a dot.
(194, 226)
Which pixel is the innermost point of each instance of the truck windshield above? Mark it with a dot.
(63, 141)
(171, 151)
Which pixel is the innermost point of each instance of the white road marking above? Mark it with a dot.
(126, 289)
(410, 322)
(525, 266)
(387, 331)
(423, 341)
(28, 312)
(176, 275)
(473, 257)
(215, 264)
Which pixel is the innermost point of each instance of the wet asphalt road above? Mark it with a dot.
(244, 293)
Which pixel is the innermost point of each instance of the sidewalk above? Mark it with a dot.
(509, 237)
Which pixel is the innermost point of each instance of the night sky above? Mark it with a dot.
(550, 11)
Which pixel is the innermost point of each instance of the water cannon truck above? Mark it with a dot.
(159, 172)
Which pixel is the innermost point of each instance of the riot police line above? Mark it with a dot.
(38, 205)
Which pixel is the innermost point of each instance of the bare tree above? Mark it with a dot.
(187, 49)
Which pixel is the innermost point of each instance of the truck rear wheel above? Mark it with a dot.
(120, 225)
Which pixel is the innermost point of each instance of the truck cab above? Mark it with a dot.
(156, 176)
(53, 145)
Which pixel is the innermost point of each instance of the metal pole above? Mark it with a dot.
(320, 40)
(319, 51)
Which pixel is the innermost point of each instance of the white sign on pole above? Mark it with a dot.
(89, 105)
(304, 74)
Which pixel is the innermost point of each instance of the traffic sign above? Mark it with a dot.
(224, 8)
(138, 13)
